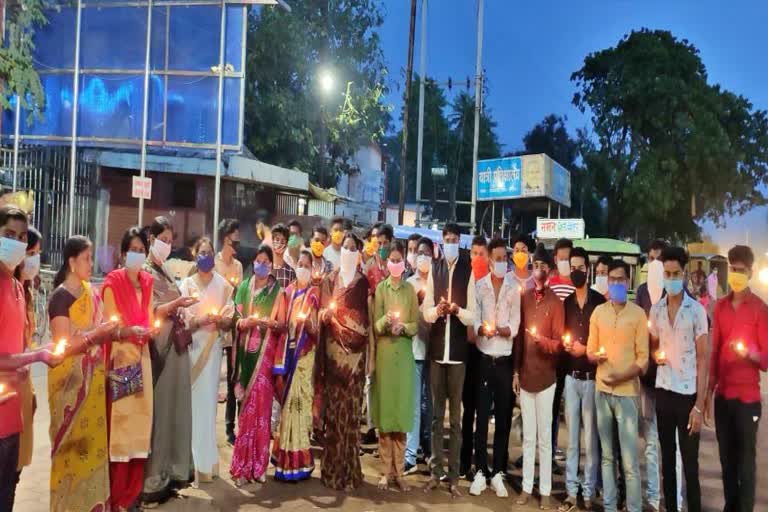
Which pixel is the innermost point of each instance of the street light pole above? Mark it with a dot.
(478, 108)
(422, 77)
(404, 149)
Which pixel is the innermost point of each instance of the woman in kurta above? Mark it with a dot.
(77, 388)
(127, 295)
(26, 273)
(170, 461)
(207, 320)
(341, 367)
(255, 310)
(294, 370)
(396, 315)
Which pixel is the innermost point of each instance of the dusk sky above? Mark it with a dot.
(531, 48)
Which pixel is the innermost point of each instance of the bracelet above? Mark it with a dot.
(697, 410)
(87, 340)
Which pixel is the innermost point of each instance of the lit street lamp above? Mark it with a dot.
(326, 81)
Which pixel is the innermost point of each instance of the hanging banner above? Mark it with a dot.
(553, 229)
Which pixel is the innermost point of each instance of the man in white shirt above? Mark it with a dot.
(332, 253)
(423, 400)
(679, 329)
(497, 319)
(449, 306)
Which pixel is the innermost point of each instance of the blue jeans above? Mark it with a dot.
(649, 430)
(422, 406)
(580, 407)
(624, 410)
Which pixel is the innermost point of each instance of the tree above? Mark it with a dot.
(289, 121)
(17, 72)
(666, 148)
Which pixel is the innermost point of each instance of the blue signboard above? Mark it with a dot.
(561, 184)
(499, 179)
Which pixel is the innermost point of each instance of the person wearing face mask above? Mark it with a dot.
(654, 252)
(478, 254)
(521, 259)
(580, 386)
(208, 320)
(295, 242)
(378, 270)
(230, 268)
(449, 305)
(618, 345)
(413, 250)
(320, 266)
(342, 367)
(535, 376)
(678, 328)
(127, 296)
(255, 314)
(332, 253)
(601, 275)
(26, 273)
(170, 460)
(497, 320)
(419, 435)
(282, 271)
(298, 309)
(396, 316)
(739, 354)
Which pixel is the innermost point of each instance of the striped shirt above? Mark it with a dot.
(562, 286)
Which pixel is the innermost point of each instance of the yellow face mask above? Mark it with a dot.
(317, 248)
(337, 237)
(520, 259)
(372, 246)
(737, 281)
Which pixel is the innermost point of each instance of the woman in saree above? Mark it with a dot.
(208, 320)
(295, 373)
(396, 316)
(127, 295)
(77, 388)
(170, 461)
(341, 367)
(255, 310)
(26, 273)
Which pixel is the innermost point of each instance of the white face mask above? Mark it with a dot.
(601, 284)
(12, 252)
(31, 267)
(303, 275)
(347, 261)
(564, 268)
(424, 263)
(412, 259)
(160, 250)
(499, 268)
(135, 260)
(451, 252)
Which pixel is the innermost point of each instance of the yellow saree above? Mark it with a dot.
(78, 404)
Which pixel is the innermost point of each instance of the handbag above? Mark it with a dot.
(125, 381)
(182, 337)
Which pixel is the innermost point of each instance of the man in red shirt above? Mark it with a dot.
(13, 249)
(739, 353)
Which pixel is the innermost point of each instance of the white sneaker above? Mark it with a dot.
(478, 484)
(497, 484)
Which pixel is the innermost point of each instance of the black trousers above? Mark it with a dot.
(736, 425)
(9, 458)
(230, 415)
(493, 386)
(470, 408)
(672, 412)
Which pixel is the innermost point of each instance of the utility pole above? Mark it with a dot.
(422, 77)
(478, 109)
(404, 149)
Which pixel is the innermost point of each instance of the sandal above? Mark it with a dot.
(383, 484)
(523, 499)
(568, 505)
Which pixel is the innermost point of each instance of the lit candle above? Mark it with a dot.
(157, 324)
(741, 348)
(302, 316)
(601, 351)
(214, 311)
(567, 341)
(649, 324)
(520, 289)
(195, 295)
(532, 330)
(114, 318)
(661, 356)
(233, 280)
(255, 316)
(397, 315)
(2, 389)
(333, 305)
(61, 346)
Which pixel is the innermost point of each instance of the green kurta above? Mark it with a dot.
(245, 306)
(392, 399)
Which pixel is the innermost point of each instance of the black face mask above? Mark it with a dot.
(579, 278)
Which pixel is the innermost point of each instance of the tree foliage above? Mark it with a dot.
(666, 147)
(288, 118)
(17, 72)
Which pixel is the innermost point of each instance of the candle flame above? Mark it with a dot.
(533, 330)
(2, 388)
(660, 355)
(567, 339)
(157, 324)
(333, 304)
(649, 324)
(397, 315)
(114, 318)
(214, 311)
(61, 346)
(601, 351)
(740, 346)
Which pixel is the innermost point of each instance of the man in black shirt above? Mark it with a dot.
(580, 384)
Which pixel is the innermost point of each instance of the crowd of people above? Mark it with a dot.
(350, 331)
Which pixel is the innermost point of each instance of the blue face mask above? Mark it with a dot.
(617, 292)
(673, 286)
(260, 270)
(205, 263)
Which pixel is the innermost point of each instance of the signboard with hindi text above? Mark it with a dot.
(499, 178)
(142, 188)
(554, 229)
(525, 176)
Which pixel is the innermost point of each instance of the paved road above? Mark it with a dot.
(223, 496)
